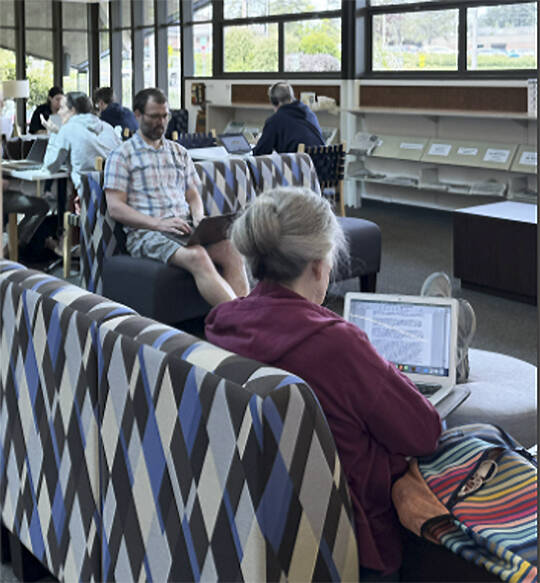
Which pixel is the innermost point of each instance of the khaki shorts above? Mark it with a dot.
(151, 244)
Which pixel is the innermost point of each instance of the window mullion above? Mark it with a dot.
(281, 47)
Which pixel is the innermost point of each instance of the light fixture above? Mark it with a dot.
(16, 89)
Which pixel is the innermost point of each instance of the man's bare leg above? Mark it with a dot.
(227, 256)
(211, 285)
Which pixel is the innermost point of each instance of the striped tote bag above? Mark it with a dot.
(488, 484)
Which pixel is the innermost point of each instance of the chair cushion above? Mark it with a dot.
(503, 392)
(364, 245)
(155, 290)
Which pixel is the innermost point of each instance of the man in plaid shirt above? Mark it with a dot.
(152, 187)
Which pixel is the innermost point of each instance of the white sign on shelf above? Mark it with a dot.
(462, 151)
(495, 155)
(411, 146)
(440, 149)
(529, 159)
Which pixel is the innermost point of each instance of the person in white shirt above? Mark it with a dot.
(81, 138)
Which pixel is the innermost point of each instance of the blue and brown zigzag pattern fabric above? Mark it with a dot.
(211, 466)
(275, 170)
(49, 478)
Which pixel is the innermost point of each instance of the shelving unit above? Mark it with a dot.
(255, 114)
(436, 161)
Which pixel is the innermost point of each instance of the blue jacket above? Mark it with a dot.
(117, 115)
(292, 124)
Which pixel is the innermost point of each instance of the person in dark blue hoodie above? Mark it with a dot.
(112, 112)
(293, 123)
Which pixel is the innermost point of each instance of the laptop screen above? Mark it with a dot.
(415, 337)
(235, 143)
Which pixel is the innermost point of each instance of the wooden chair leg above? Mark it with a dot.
(66, 250)
(13, 237)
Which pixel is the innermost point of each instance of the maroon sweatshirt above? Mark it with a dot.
(375, 414)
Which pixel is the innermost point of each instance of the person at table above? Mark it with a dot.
(112, 112)
(292, 123)
(33, 208)
(51, 108)
(152, 188)
(291, 241)
(81, 138)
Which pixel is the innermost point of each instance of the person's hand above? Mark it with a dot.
(77, 204)
(174, 225)
(49, 125)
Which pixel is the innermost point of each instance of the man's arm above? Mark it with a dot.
(120, 211)
(266, 142)
(57, 152)
(194, 200)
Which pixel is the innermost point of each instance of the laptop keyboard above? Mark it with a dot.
(427, 389)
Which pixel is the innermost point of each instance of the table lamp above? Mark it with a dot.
(16, 89)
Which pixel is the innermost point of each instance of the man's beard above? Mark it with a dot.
(153, 133)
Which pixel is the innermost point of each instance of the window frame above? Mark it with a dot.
(219, 23)
(423, 6)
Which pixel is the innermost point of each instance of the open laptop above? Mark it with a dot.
(235, 143)
(417, 334)
(33, 161)
(210, 230)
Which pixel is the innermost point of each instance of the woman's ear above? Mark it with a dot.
(317, 269)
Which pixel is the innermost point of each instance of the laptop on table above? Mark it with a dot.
(33, 161)
(235, 143)
(417, 334)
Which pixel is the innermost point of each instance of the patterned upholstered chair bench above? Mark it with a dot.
(130, 450)
(364, 236)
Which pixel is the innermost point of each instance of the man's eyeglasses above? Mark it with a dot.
(158, 116)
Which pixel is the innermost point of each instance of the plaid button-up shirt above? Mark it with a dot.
(155, 180)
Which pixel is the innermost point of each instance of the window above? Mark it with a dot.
(282, 36)
(251, 48)
(38, 14)
(75, 62)
(502, 37)
(202, 50)
(252, 8)
(313, 45)
(174, 66)
(74, 16)
(415, 41)
(392, 2)
(458, 37)
(104, 59)
(103, 15)
(127, 73)
(149, 52)
(39, 67)
(173, 11)
(8, 13)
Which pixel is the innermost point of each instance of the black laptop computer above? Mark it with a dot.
(210, 230)
(235, 143)
(33, 161)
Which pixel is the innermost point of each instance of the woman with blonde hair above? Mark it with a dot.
(291, 241)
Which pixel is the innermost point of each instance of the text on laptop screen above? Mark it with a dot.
(414, 337)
